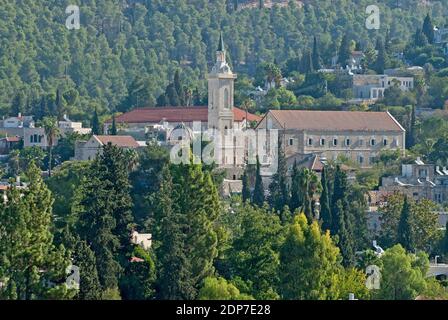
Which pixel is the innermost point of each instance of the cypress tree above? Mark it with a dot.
(316, 55)
(296, 197)
(171, 96)
(258, 196)
(410, 134)
(113, 130)
(307, 62)
(339, 193)
(174, 280)
(428, 29)
(96, 123)
(345, 234)
(105, 217)
(325, 212)
(89, 286)
(381, 62)
(246, 194)
(404, 231)
(278, 188)
(344, 51)
(179, 89)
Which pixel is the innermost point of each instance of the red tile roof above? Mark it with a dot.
(119, 141)
(175, 114)
(13, 139)
(336, 120)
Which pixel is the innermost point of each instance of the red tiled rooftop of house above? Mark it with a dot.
(119, 141)
(175, 114)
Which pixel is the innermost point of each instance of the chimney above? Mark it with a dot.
(18, 181)
(19, 115)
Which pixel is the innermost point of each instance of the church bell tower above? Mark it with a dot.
(220, 92)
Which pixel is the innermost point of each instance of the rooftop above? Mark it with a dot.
(119, 141)
(336, 120)
(175, 114)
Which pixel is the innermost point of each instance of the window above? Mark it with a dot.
(310, 142)
(347, 142)
(361, 142)
(322, 142)
(372, 142)
(226, 99)
(291, 141)
(384, 142)
(31, 139)
(361, 159)
(335, 142)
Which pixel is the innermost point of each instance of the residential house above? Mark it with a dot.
(88, 150)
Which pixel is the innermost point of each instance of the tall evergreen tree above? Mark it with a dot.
(345, 234)
(307, 62)
(279, 188)
(174, 281)
(296, 196)
(113, 130)
(382, 59)
(344, 51)
(258, 196)
(316, 55)
(179, 88)
(325, 211)
(29, 260)
(428, 28)
(246, 193)
(96, 123)
(89, 286)
(404, 231)
(105, 217)
(410, 133)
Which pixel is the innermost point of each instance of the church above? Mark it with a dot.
(160, 123)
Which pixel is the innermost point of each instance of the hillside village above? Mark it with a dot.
(172, 195)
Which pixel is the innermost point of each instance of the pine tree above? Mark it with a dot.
(428, 29)
(404, 230)
(308, 262)
(325, 211)
(296, 196)
(113, 130)
(258, 196)
(279, 188)
(29, 260)
(96, 123)
(316, 55)
(246, 193)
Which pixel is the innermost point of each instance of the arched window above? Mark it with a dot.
(226, 98)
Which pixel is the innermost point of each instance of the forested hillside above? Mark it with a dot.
(127, 51)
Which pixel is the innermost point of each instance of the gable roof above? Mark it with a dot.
(175, 114)
(119, 141)
(336, 120)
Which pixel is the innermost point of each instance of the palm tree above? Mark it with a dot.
(50, 125)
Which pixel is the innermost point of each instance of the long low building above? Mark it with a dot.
(358, 136)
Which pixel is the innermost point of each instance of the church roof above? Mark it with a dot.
(176, 114)
(336, 120)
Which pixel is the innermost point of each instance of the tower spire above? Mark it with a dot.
(221, 42)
